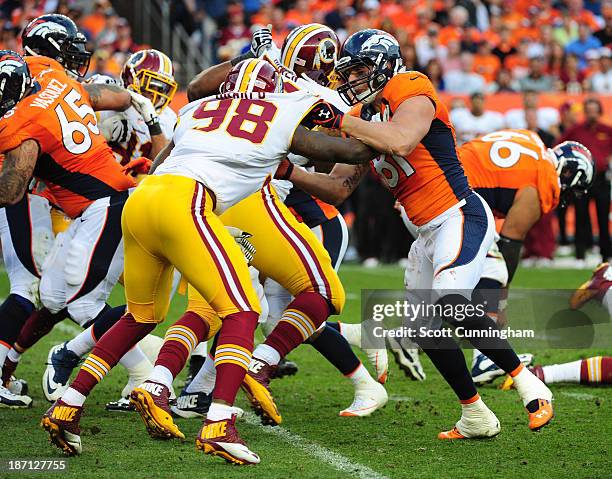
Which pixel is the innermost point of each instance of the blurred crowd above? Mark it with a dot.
(108, 34)
(464, 46)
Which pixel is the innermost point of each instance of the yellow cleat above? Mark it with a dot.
(151, 401)
(256, 387)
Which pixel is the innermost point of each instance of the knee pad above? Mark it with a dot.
(75, 268)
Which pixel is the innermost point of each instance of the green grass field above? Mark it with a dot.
(314, 442)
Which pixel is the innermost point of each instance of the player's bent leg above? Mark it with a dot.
(180, 340)
(306, 272)
(148, 282)
(221, 276)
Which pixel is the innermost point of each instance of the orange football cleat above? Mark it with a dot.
(542, 416)
(452, 434)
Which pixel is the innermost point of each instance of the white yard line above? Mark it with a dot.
(579, 396)
(332, 458)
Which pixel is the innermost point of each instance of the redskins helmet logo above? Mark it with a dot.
(327, 51)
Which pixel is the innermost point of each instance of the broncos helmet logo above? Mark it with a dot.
(44, 28)
(385, 41)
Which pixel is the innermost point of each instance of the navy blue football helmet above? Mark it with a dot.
(15, 80)
(375, 53)
(57, 37)
(575, 168)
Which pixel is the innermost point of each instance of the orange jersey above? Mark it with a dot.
(501, 163)
(430, 180)
(75, 162)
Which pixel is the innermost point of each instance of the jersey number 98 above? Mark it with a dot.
(249, 118)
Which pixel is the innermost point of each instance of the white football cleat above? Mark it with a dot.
(477, 421)
(367, 400)
(485, 371)
(13, 401)
(407, 359)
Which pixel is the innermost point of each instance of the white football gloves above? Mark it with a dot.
(261, 42)
(242, 239)
(145, 108)
(116, 129)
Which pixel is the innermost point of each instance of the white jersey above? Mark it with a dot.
(139, 140)
(283, 187)
(469, 126)
(231, 143)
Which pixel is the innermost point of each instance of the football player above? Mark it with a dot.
(419, 163)
(309, 51)
(173, 216)
(26, 235)
(54, 133)
(521, 180)
(598, 287)
(151, 74)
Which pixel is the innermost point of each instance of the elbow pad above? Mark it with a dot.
(511, 251)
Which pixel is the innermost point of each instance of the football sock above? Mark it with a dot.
(596, 370)
(559, 373)
(38, 325)
(106, 319)
(14, 312)
(161, 375)
(350, 331)
(336, 349)
(180, 340)
(450, 362)
(299, 321)
(495, 348)
(117, 341)
(529, 387)
(267, 353)
(200, 350)
(218, 412)
(13, 356)
(204, 380)
(360, 376)
(233, 353)
(82, 343)
(136, 362)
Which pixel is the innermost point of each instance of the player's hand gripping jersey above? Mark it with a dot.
(232, 142)
(75, 161)
(138, 143)
(501, 163)
(430, 180)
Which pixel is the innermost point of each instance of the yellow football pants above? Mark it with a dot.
(286, 250)
(168, 222)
